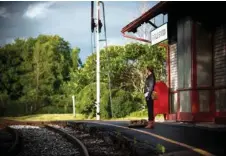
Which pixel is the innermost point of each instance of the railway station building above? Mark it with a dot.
(195, 40)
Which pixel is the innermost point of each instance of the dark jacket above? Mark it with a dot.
(149, 84)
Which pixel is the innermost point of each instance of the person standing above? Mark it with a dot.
(148, 90)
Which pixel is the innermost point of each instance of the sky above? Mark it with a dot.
(70, 20)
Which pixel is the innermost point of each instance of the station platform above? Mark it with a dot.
(176, 138)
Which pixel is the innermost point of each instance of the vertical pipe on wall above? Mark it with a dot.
(166, 46)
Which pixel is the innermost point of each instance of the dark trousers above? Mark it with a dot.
(150, 105)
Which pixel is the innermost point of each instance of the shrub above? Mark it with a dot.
(143, 113)
(85, 101)
(14, 108)
(55, 110)
(139, 99)
(122, 103)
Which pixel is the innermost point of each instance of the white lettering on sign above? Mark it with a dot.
(159, 34)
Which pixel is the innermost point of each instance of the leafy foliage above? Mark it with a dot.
(33, 72)
(127, 68)
(39, 75)
(87, 97)
(123, 104)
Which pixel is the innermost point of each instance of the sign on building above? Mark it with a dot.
(159, 34)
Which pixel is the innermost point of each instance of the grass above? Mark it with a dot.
(160, 148)
(59, 117)
(140, 115)
(47, 117)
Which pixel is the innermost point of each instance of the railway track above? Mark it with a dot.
(114, 138)
(78, 144)
(38, 139)
(48, 141)
(10, 142)
(98, 143)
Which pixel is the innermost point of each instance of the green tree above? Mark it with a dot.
(33, 71)
(128, 64)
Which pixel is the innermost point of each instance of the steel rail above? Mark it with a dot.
(82, 148)
(17, 143)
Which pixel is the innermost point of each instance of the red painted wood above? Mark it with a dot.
(212, 102)
(203, 117)
(171, 117)
(161, 104)
(178, 106)
(166, 46)
(217, 114)
(220, 120)
(185, 116)
(168, 74)
(168, 66)
(136, 38)
(192, 117)
(145, 17)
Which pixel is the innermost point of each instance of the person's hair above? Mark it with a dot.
(150, 68)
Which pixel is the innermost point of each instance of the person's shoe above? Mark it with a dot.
(150, 125)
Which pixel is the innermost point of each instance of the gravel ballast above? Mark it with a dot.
(95, 145)
(42, 142)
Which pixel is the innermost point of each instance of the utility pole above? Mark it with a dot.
(108, 57)
(73, 100)
(96, 26)
(97, 63)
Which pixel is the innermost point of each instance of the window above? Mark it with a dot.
(203, 56)
(184, 53)
(184, 44)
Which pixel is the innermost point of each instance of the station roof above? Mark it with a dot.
(154, 11)
(201, 11)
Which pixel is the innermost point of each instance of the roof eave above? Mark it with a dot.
(143, 18)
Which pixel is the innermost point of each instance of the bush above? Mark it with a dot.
(143, 113)
(139, 99)
(55, 110)
(3, 102)
(14, 108)
(123, 103)
(85, 101)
